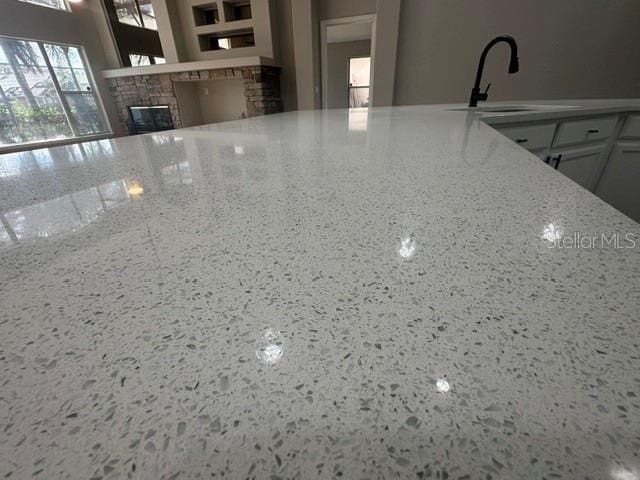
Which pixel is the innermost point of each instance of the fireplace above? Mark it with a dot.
(150, 119)
(259, 87)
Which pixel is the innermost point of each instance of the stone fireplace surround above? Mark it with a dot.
(146, 88)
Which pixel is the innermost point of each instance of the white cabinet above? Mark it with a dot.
(619, 185)
(583, 131)
(582, 165)
(589, 155)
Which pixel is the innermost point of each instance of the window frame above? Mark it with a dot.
(76, 138)
(140, 16)
(67, 7)
(152, 59)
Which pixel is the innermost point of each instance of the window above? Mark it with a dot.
(59, 4)
(45, 93)
(138, 60)
(138, 13)
(359, 72)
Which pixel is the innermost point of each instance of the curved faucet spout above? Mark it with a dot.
(514, 66)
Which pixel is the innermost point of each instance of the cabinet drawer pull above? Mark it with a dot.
(593, 130)
(522, 140)
(558, 158)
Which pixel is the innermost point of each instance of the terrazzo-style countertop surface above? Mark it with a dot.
(325, 294)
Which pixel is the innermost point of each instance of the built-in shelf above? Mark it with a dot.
(226, 40)
(216, 12)
(206, 14)
(244, 61)
(225, 28)
(235, 10)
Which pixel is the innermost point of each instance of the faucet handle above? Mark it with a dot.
(483, 96)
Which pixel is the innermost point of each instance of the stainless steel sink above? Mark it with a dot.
(511, 108)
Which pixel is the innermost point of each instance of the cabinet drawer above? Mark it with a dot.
(631, 127)
(582, 131)
(531, 137)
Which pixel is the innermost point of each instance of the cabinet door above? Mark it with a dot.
(582, 165)
(631, 127)
(620, 182)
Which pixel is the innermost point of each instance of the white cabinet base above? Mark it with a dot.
(581, 165)
(619, 185)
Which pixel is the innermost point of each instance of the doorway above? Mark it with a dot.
(359, 81)
(347, 57)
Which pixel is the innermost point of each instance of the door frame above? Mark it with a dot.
(370, 18)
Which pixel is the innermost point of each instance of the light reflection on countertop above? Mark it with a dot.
(619, 472)
(65, 214)
(442, 385)
(270, 347)
(552, 232)
(236, 299)
(407, 248)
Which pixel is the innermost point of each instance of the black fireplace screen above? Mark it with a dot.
(150, 119)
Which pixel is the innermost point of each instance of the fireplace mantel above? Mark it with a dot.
(190, 66)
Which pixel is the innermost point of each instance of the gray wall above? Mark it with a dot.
(86, 26)
(221, 100)
(188, 103)
(304, 40)
(285, 53)
(345, 8)
(210, 101)
(567, 49)
(338, 55)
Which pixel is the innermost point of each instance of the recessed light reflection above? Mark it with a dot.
(442, 385)
(407, 248)
(134, 188)
(551, 232)
(270, 347)
(623, 473)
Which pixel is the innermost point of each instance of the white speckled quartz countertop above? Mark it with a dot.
(314, 294)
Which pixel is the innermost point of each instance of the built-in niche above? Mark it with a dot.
(210, 101)
(206, 14)
(236, 10)
(209, 13)
(226, 40)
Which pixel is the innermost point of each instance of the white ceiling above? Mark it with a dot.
(349, 32)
